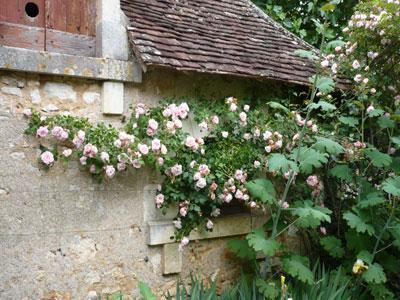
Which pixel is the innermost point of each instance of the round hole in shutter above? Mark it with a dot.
(31, 9)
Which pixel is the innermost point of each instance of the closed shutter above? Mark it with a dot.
(63, 26)
(22, 23)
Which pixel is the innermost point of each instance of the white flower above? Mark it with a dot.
(256, 164)
(267, 135)
(233, 107)
(143, 149)
(209, 225)
(246, 108)
(358, 78)
(184, 243)
(67, 152)
(203, 125)
(201, 183)
(177, 223)
(268, 149)
(370, 108)
(215, 120)
(110, 171)
(224, 134)
(325, 63)
(104, 156)
(356, 64)
(176, 170)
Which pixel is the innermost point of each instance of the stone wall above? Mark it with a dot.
(65, 236)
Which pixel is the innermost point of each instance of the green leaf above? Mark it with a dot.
(378, 159)
(342, 172)
(325, 106)
(267, 289)
(333, 246)
(392, 186)
(324, 84)
(278, 106)
(309, 159)
(146, 292)
(357, 223)
(298, 267)
(262, 189)
(395, 231)
(365, 256)
(371, 199)
(310, 216)
(242, 249)
(374, 274)
(396, 140)
(258, 241)
(334, 44)
(376, 113)
(279, 162)
(328, 7)
(379, 291)
(306, 54)
(350, 121)
(385, 122)
(327, 145)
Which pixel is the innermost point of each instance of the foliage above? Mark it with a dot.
(305, 18)
(146, 292)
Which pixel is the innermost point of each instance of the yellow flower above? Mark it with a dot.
(359, 266)
(283, 280)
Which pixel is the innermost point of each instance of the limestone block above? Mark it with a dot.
(113, 98)
(91, 97)
(35, 96)
(162, 232)
(60, 91)
(50, 108)
(172, 259)
(15, 91)
(12, 81)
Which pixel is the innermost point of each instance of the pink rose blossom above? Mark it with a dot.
(243, 116)
(191, 143)
(159, 200)
(215, 120)
(143, 149)
(358, 78)
(67, 152)
(285, 205)
(82, 160)
(247, 136)
(233, 107)
(201, 183)
(155, 145)
(47, 158)
(160, 161)
(104, 156)
(239, 194)
(177, 223)
(176, 170)
(267, 135)
(140, 110)
(192, 164)
(196, 176)
(183, 211)
(90, 150)
(118, 143)
(356, 64)
(27, 112)
(322, 230)
(136, 164)
(153, 124)
(256, 164)
(184, 242)
(121, 166)
(42, 131)
(228, 198)
(314, 128)
(312, 181)
(204, 170)
(110, 171)
(253, 204)
(370, 108)
(268, 149)
(203, 125)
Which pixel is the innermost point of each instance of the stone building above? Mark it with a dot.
(64, 236)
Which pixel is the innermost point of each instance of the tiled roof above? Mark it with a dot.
(214, 36)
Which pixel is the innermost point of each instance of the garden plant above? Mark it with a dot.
(328, 168)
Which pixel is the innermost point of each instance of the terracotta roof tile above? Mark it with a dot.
(214, 36)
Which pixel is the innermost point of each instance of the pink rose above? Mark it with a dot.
(136, 164)
(176, 170)
(253, 204)
(159, 200)
(121, 166)
(178, 123)
(90, 150)
(256, 164)
(285, 205)
(201, 183)
(184, 242)
(67, 152)
(267, 135)
(104, 156)
(322, 230)
(47, 158)
(191, 143)
(82, 160)
(312, 181)
(370, 108)
(42, 131)
(143, 149)
(233, 107)
(203, 125)
(204, 170)
(183, 211)
(215, 120)
(155, 145)
(160, 161)
(27, 112)
(140, 110)
(243, 116)
(110, 171)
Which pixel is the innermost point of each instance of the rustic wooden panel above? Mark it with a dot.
(69, 43)
(56, 15)
(14, 12)
(22, 36)
(74, 16)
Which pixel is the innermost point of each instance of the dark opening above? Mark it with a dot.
(31, 9)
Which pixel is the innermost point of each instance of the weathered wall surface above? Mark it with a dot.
(63, 235)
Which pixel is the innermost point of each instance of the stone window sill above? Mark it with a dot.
(104, 69)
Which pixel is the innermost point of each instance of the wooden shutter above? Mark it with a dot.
(17, 29)
(71, 26)
(63, 26)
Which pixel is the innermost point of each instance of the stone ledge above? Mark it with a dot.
(161, 231)
(24, 60)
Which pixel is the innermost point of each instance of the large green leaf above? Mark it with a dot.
(385, 122)
(242, 249)
(378, 159)
(262, 189)
(396, 140)
(258, 241)
(374, 274)
(357, 223)
(306, 54)
(309, 159)
(327, 145)
(298, 267)
(278, 162)
(371, 199)
(392, 186)
(325, 106)
(342, 172)
(278, 106)
(310, 216)
(267, 289)
(324, 84)
(350, 121)
(333, 246)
